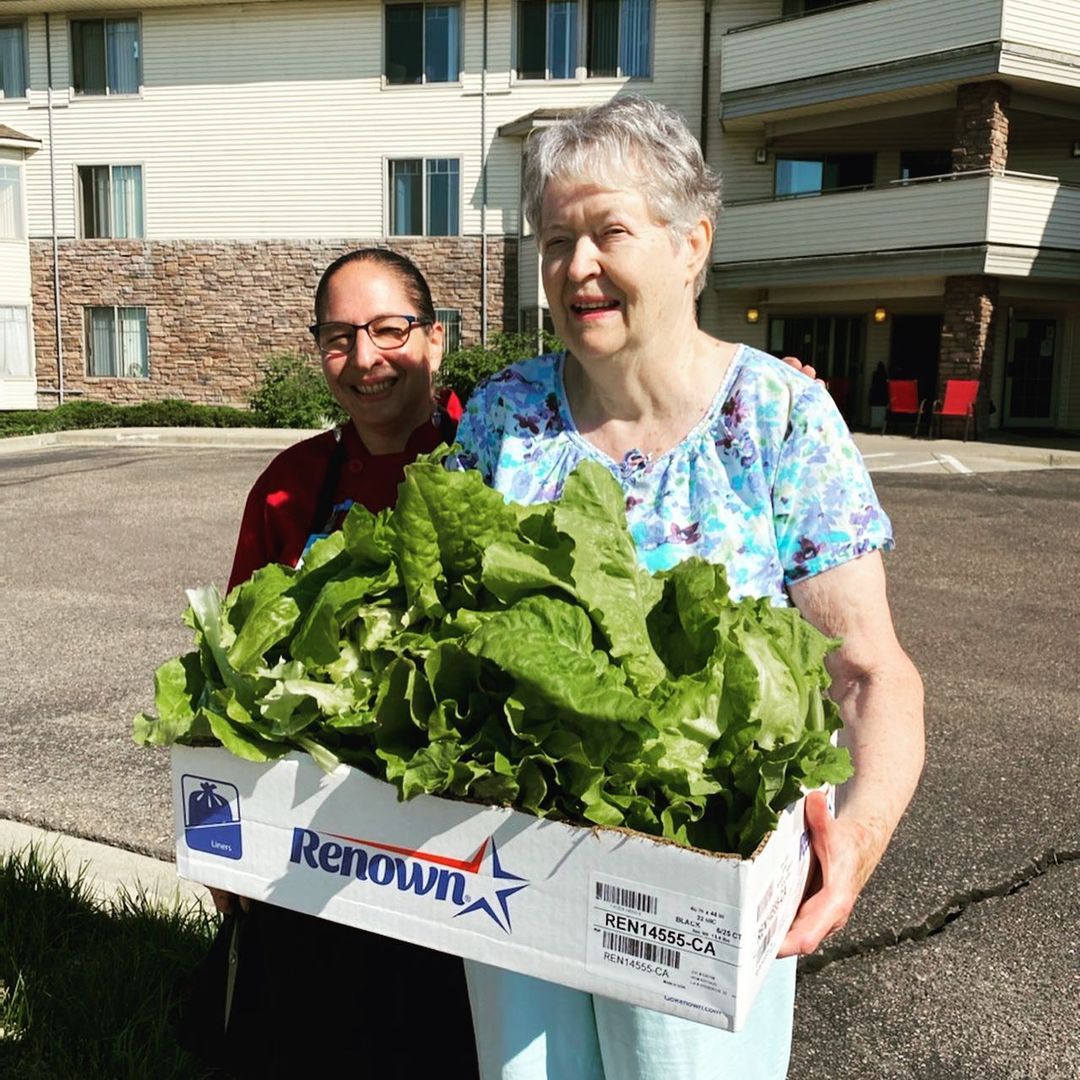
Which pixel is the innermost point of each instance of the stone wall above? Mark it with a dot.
(967, 329)
(216, 310)
(981, 139)
(969, 323)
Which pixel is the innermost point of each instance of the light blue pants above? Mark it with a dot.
(527, 1029)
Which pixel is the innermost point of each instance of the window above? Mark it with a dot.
(547, 39)
(833, 344)
(13, 61)
(424, 197)
(116, 342)
(918, 163)
(105, 56)
(11, 207)
(451, 320)
(808, 7)
(111, 197)
(423, 43)
(14, 343)
(814, 174)
(617, 38)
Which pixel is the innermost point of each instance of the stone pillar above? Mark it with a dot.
(967, 337)
(981, 139)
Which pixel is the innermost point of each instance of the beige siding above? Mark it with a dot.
(724, 314)
(923, 215)
(271, 120)
(530, 289)
(858, 36)
(732, 153)
(1033, 213)
(18, 393)
(14, 273)
(1064, 71)
(1046, 24)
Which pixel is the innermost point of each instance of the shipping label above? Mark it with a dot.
(683, 947)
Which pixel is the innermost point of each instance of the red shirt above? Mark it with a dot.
(281, 506)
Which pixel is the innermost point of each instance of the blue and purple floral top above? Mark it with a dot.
(769, 482)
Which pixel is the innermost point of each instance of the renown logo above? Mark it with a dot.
(476, 884)
(211, 816)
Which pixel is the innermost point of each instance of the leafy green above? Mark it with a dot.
(464, 646)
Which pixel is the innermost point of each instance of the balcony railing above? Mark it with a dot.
(957, 210)
(883, 32)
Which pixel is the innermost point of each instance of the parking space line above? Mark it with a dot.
(951, 463)
(883, 453)
(906, 465)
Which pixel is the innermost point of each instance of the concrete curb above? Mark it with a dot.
(1040, 457)
(209, 438)
(108, 870)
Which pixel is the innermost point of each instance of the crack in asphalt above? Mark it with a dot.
(936, 922)
(63, 473)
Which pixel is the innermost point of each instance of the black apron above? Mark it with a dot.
(286, 994)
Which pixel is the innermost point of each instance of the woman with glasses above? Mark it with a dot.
(723, 452)
(311, 995)
(380, 346)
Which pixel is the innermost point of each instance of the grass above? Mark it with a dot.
(85, 983)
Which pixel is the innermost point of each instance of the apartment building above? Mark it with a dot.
(903, 186)
(174, 176)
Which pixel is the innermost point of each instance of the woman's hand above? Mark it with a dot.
(807, 369)
(224, 901)
(879, 694)
(842, 860)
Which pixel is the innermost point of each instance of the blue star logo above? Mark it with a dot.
(498, 894)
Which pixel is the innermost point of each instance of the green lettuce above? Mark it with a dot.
(463, 646)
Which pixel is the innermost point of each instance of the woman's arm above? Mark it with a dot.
(881, 701)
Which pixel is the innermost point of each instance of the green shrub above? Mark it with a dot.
(293, 394)
(177, 413)
(80, 415)
(463, 369)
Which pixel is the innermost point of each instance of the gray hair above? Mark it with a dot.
(639, 138)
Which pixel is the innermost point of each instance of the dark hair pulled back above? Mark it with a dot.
(415, 283)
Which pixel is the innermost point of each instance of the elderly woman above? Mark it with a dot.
(723, 452)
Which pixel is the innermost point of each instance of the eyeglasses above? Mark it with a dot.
(386, 332)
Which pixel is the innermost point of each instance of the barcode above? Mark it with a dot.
(764, 902)
(639, 901)
(642, 950)
(767, 943)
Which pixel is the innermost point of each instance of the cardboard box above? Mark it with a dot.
(603, 910)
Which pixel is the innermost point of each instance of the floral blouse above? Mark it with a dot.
(769, 482)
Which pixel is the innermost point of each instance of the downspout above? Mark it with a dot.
(52, 199)
(483, 186)
(703, 136)
(706, 37)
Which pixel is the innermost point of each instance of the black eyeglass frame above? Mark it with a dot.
(413, 320)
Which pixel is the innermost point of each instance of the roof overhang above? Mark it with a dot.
(533, 121)
(15, 140)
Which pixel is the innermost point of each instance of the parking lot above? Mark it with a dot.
(962, 958)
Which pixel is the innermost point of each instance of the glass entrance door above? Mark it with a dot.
(1029, 373)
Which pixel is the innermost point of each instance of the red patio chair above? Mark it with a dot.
(959, 401)
(904, 401)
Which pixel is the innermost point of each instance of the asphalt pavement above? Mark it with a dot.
(961, 960)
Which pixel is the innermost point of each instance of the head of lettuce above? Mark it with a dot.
(463, 646)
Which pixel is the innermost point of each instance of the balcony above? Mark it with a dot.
(881, 50)
(968, 223)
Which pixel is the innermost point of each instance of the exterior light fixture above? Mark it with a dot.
(880, 314)
(761, 155)
(1076, 148)
(753, 314)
